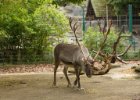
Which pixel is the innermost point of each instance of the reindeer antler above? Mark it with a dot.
(74, 28)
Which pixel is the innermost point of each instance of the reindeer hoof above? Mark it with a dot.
(74, 86)
(80, 89)
(69, 85)
(54, 86)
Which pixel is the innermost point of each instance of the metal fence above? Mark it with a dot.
(24, 58)
(118, 23)
(132, 54)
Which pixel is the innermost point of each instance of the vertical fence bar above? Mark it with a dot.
(83, 20)
(130, 17)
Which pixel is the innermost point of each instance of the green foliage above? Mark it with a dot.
(93, 39)
(120, 6)
(29, 28)
(64, 2)
(48, 20)
(132, 55)
(3, 38)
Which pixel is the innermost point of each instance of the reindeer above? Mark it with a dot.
(78, 56)
(71, 55)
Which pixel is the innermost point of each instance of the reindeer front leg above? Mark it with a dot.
(77, 70)
(75, 82)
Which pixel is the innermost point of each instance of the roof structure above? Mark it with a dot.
(97, 9)
(90, 15)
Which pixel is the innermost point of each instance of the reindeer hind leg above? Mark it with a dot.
(55, 70)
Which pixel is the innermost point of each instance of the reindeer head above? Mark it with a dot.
(88, 66)
(89, 69)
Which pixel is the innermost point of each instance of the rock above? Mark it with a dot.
(137, 68)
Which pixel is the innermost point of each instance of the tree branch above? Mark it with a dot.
(119, 59)
(125, 51)
(116, 42)
(105, 38)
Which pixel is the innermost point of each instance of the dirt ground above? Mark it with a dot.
(38, 86)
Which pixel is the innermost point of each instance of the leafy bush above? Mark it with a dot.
(132, 55)
(29, 28)
(93, 39)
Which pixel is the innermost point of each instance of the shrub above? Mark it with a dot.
(93, 39)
